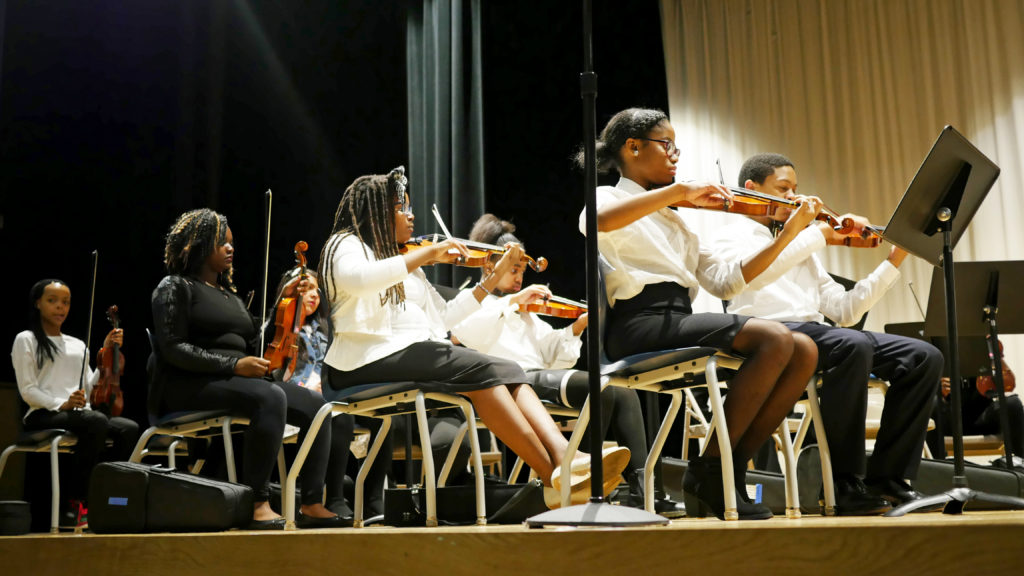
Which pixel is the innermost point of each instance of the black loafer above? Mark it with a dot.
(854, 499)
(272, 524)
(303, 521)
(896, 492)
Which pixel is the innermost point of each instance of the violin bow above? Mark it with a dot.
(88, 330)
(440, 222)
(266, 266)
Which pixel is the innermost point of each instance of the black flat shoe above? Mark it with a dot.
(272, 524)
(303, 521)
(854, 499)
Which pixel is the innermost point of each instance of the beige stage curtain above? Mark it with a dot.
(855, 93)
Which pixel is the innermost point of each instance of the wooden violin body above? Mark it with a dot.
(555, 306)
(290, 314)
(479, 253)
(106, 395)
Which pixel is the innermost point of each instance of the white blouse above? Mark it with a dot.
(796, 287)
(659, 248)
(500, 330)
(366, 330)
(47, 388)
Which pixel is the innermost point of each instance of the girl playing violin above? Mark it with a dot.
(204, 340)
(391, 325)
(49, 366)
(500, 328)
(314, 339)
(658, 266)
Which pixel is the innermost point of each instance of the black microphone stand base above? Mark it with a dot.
(955, 499)
(596, 514)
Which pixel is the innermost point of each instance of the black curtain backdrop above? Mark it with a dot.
(117, 116)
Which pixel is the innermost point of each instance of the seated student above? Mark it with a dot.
(797, 291)
(314, 338)
(980, 413)
(391, 325)
(49, 366)
(547, 355)
(205, 335)
(659, 264)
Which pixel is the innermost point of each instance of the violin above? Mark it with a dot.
(289, 316)
(555, 306)
(479, 252)
(106, 395)
(753, 203)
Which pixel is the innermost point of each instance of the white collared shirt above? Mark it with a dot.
(365, 330)
(659, 248)
(499, 329)
(47, 388)
(796, 287)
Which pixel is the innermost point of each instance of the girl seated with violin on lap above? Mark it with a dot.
(314, 337)
(391, 325)
(504, 327)
(205, 336)
(659, 264)
(55, 379)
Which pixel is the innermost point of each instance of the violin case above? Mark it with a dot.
(936, 477)
(127, 497)
(456, 505)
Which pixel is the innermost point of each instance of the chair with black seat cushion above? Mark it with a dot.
(54, 441)
(668, 371)
(384, 401)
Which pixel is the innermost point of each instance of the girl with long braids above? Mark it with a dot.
(390, 325)
(658, 265)
(204, 336)
(48, 366)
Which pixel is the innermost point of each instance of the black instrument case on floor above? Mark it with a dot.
(130, 497)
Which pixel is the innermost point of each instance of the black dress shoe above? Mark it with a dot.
(853, 499)
(663, 505)
(896, 492)
(340, 507)
(335, 521)
(272, 524)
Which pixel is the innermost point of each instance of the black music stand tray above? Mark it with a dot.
(931, 217)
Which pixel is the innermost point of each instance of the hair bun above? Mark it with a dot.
(397, 181)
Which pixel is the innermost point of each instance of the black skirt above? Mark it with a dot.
(441, 367)
(660, 317)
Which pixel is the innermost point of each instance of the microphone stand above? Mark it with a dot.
(597, 512)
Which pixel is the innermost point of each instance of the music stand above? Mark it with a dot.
(596, 512)
(981, 283)
(931, 217)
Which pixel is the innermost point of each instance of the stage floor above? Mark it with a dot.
(932, 543)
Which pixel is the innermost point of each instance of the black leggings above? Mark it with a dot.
(92, 428)
(268, 405)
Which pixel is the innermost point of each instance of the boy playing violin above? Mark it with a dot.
(796, 290)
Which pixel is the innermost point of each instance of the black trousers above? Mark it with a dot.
(93, 428)
(846, 359)
(268, 405)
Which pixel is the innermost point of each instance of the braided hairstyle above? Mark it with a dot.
(192, 238)
(45, 348)
(367, 210)
(630, 123)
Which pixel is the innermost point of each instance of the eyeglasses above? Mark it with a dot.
(668, 145)
(403, 208)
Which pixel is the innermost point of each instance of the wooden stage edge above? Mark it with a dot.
(933, 543)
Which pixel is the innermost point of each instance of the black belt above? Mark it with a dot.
(659, 296)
